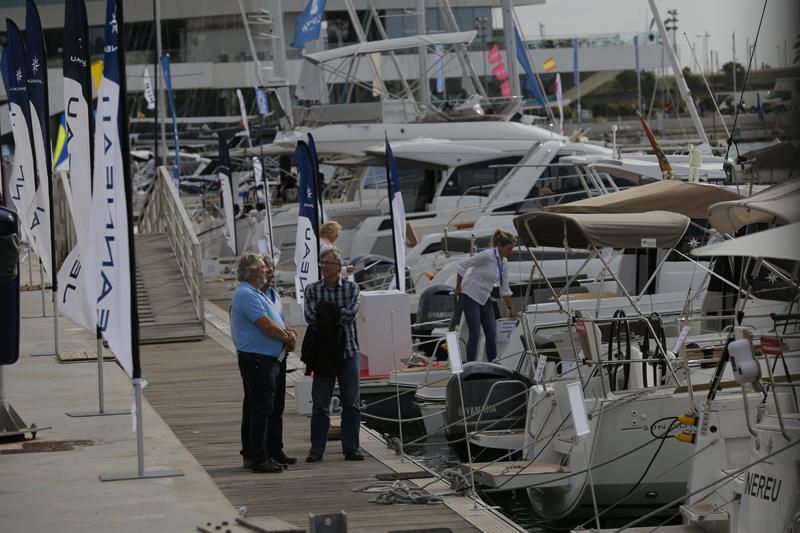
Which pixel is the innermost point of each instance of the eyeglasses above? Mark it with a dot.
(328, 263)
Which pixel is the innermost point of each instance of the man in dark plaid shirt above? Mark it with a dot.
(344, 294)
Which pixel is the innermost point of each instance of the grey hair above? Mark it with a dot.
(335, 252)
(247, 264)
(268, 260)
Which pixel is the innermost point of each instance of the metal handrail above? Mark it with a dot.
(163, 212)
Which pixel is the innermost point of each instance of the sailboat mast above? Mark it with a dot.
(683, 89)
(511, 46)
(424, 94)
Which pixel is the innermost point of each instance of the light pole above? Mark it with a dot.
(481, 26)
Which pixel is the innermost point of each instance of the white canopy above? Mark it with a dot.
(776, 243)
(779, 205)
(386, 45)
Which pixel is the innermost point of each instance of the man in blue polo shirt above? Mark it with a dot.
(261, 340)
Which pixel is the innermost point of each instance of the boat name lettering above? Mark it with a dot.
(767, 488)
(78, 60)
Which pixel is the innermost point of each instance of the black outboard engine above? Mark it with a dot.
(494, 399)
(436, 303)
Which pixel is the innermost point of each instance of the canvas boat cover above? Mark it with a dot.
(776, 243)
(675, 196)
(653, 229)
(388, 45)
(777, 205)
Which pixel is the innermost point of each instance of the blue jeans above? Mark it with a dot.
(260, 377)
(478, 316)
(349, 394)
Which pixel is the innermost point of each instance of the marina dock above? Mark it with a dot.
(191, 422)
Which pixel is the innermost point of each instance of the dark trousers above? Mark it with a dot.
(321, 394)
(275, 423)
(260, 379)
(480, 316)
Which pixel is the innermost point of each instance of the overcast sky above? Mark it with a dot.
(695, 17)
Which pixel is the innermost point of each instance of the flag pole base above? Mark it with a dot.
(106, 412)
(147, 474)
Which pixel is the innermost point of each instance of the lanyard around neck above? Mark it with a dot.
(499, 264)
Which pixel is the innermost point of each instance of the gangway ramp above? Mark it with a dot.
(166, 311)
(168, 272)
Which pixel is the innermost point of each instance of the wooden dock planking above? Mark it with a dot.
(166, 313)
(196, 389)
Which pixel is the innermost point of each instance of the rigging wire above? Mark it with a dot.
(731, 140)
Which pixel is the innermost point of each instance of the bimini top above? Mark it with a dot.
(775, 243)
(654, 229)
(387, 45)
(675, 196)
(777, 205)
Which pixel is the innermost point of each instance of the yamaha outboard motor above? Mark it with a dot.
(494, 398)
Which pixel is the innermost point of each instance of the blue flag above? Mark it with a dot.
(439, 69)
(23, 186)
(176, 170)
(306, 251)
(530, 83)
(111, 262)
(261, 102)
(398, 215)
(42, 208)
(312, 150)
(308, 23)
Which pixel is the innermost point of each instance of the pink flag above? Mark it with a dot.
(505, 88)
(500, 71)
(493, 55)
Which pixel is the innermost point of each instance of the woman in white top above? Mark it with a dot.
(476, 277)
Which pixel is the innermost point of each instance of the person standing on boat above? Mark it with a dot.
(261, 340)
(343, 294)
(328, 233)
(474, 281)
(274, 439)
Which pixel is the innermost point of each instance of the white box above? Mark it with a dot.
(302, 395)
(382, 315)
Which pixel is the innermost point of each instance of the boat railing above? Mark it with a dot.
(163, 212)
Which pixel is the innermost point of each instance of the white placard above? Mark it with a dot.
(211, 268)
(453, 352)
(649, 243)
(540, 368)
(578, 408)
(504, 328)
(262, 246)
(567, 366)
